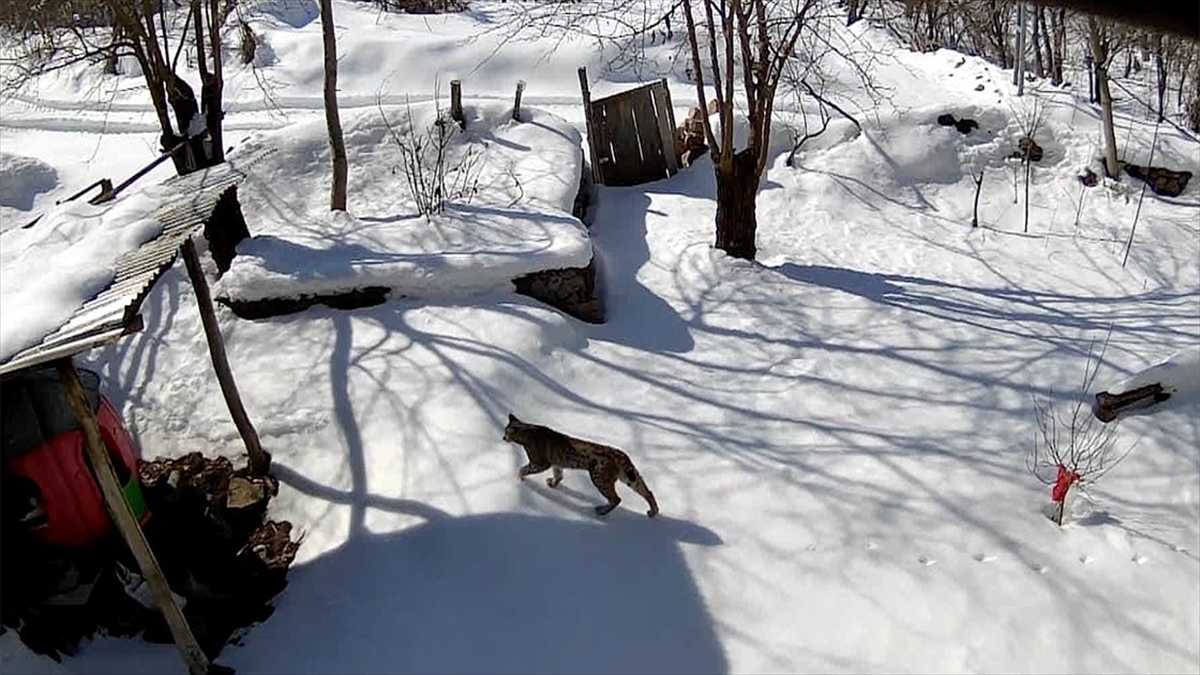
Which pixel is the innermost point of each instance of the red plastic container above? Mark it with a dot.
(75, 516)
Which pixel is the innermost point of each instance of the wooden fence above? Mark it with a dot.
(631, 134)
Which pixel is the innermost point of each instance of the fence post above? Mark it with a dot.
(456, 110)
(517, 101)
(587, 118)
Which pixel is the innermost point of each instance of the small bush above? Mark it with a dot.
(435, 173)
(1072, 448)
(420, 6)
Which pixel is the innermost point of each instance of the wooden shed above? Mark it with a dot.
(188, 205)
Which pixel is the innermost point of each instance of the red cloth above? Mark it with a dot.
(1066, 478)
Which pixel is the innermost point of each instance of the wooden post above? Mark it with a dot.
(127, 525)
(456, 111)
(587, 118)
(517, 101)
(260, 461)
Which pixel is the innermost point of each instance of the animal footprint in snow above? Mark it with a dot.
(1039, 568)
(1139, 559)
(870, 546)
(1086, 559)
(985, 558)
(926, 560)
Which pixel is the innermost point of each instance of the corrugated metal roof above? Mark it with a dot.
(187, 203)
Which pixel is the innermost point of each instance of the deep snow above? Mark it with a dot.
(835, 433)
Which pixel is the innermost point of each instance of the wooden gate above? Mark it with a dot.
(631, 135)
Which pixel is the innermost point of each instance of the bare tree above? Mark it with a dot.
(333, 121)
(1101, 44)
(55, 35)
(753, 38)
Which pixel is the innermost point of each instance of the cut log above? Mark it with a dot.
(1108, 406)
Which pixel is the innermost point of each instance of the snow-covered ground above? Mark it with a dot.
(836, 433)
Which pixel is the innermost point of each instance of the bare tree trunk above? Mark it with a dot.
(1019, 57)
(854, 11)
(1179, 91)
(737, 194)
(337, 144)
(212, 86)
(1038, 63)
(1060, 43)
(1100, 57)
(1161, 72)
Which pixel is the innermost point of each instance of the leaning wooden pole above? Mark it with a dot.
(260, 460)
(126, 521)
(590, 125)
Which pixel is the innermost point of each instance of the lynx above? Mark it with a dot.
(547, 448)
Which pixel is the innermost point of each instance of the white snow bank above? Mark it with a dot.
(23, 178)
(522, 179)
(1178, 374)
(67, 258)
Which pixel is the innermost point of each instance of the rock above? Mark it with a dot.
(1163, 181)
(572, 290)
(1108, 406)
(1027, 147)
(966, 125)
(244, 493)
(980, 87)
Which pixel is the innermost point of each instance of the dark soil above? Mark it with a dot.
(209, 534)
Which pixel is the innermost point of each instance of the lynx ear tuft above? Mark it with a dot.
(512, 418)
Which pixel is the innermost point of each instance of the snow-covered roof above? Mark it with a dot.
(103, 262)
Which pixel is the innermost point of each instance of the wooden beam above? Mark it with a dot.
(591, 127)
(456, 109)
(126, 521)
(260, 460)
(516, 114)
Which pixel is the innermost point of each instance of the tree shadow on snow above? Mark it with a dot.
(621, 250)
(495, 593)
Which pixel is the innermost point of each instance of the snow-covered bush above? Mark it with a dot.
(438, 166)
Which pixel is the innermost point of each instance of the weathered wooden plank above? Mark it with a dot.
(602, 161)
(588, 112)
(627, 156)
(654, 163)
(665, 116)
(639, 88)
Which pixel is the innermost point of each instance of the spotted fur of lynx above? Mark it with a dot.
(550, 449)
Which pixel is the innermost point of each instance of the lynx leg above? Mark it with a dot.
(608, 488)
(531, 468)
(556, 478)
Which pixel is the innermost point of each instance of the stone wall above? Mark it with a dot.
(572, 290)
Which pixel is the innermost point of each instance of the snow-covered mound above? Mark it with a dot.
(1179, 373)
(22, 179)
(516, 185)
